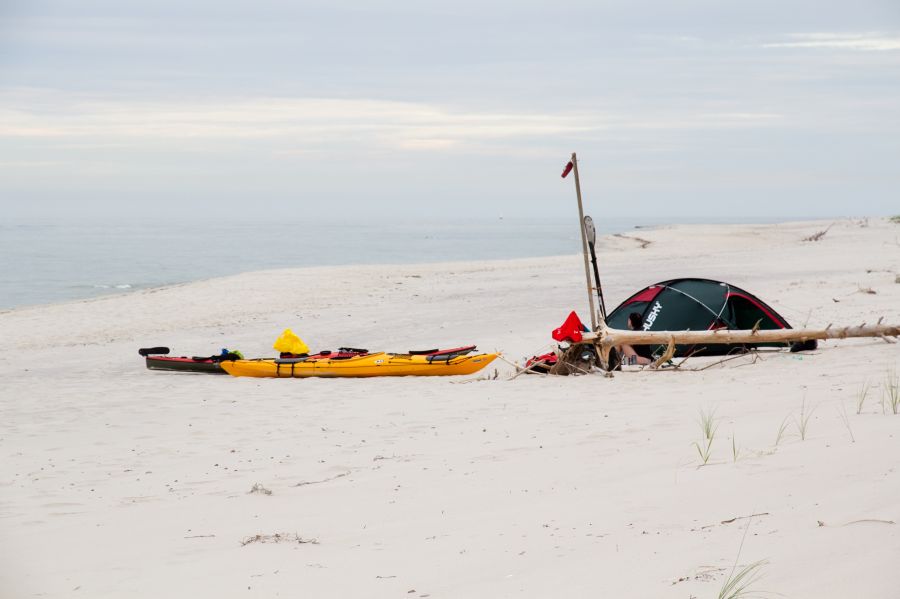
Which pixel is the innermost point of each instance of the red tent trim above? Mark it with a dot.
(646, 295)
(756, 303)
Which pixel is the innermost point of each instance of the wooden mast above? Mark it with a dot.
(584, 245)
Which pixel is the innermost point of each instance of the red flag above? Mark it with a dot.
(568, 169)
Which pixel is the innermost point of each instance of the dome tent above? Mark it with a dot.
(697, 305)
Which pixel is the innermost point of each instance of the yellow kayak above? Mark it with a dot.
(379, 364)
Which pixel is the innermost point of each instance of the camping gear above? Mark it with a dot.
(157, 358)
(698, 305)
(290, 343)
(541, 364)
(414, 363)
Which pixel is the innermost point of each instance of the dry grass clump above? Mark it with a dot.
(258, 488)
(819, 235)
(279, 538)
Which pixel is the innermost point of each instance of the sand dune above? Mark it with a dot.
(120, 482)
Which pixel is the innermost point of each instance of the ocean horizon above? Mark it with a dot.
(52, 260)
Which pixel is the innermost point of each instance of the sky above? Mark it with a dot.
(696, 108)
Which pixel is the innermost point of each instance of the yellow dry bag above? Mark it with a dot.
(290, 343)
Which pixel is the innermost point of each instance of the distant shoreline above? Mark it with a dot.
(87, 261)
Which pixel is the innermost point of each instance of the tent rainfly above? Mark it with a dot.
(697, 305)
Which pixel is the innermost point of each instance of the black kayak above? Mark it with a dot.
(157, 359)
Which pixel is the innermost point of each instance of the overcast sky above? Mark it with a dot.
(696, 108)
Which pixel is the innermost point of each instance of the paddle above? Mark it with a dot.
(592, 239)
(153, 351)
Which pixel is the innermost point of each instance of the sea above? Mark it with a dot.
(50, 260)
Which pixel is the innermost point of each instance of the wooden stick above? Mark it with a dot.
(529, 368)
(511, 363)
(729, 358)
(730, 520)
(692, 353)
(584, 245)
(608, 338)
(667, 355)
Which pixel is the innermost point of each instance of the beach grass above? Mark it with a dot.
(891, 391)
(846, 421)
(708, 426)
(705, 450)
(738, 583)
(782, 429)
(861, 396)
(803, 421)
(708, 423)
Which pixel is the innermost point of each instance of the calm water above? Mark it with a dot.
(46, 261)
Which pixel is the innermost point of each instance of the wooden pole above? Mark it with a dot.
(584, 245)
(608, 338)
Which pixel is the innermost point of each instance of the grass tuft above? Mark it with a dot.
(861, 397)
(708, 423)
(803, 422)
(782, 429)
(704, 450)
(738, 584)
(890, 392)
(708, 426)
(846, 421)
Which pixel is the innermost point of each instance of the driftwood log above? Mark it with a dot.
(574, 361)
(606, 339)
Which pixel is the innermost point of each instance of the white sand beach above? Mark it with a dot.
(116, 481)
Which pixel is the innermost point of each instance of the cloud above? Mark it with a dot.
(65, 119)
(840, 41)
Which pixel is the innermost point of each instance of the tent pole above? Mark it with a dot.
(584, 244)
